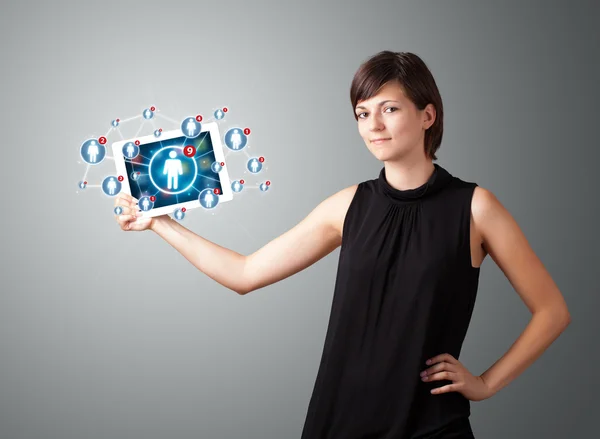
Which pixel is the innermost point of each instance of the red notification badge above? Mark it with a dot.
(189, 151)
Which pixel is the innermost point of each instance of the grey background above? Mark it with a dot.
(106, 334)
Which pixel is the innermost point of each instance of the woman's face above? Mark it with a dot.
(391, 116)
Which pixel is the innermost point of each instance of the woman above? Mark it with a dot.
(412, 243)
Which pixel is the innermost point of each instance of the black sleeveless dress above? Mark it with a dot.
(404, 292)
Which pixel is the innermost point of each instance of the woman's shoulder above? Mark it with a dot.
(339, 203)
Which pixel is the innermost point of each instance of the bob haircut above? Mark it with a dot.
(414, 78)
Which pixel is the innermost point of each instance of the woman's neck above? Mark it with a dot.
(406, 176)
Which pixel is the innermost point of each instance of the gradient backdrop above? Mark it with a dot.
(108, 335)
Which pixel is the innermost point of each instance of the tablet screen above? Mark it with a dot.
(167, 170)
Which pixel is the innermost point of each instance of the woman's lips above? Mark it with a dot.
(379, 142)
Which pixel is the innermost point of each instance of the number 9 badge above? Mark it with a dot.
(189, 151)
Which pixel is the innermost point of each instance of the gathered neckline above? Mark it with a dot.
(436, 182)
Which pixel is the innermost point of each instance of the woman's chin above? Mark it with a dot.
(383, 154)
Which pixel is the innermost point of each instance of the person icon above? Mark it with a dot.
(135, 176)
(148, 113)
(264, 187)
(115, 123)
(219, 114)
(254, 165)
(157, 133)
(179, 214)
(191, 127)
(82, 185)
(237, 186)
(236, 139)
(173, 169)
(130, 150)
(145, 203)
(208, 199)
(111, 186)
(216, 167)
(118, 210)
(92, 151)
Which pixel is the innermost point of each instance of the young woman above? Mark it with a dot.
(412, 243)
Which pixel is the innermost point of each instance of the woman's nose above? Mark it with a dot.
(376, 124)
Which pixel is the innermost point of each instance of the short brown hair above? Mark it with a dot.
(416, 81)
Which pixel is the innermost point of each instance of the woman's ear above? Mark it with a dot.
(429, 115)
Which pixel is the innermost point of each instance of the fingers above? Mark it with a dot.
(122, 198)
(126, 221)
(439, 367)
(130, 217)
(444, 375)
(127, 209)
(126, 218)
(447, 388)
(127, 203)
(442, 357)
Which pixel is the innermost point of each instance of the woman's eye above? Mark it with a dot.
(363, 114)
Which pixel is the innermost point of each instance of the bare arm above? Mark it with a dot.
(507, 245)
(310, 240)
(217, 262)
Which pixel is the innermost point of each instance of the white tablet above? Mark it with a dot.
(174, 170)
